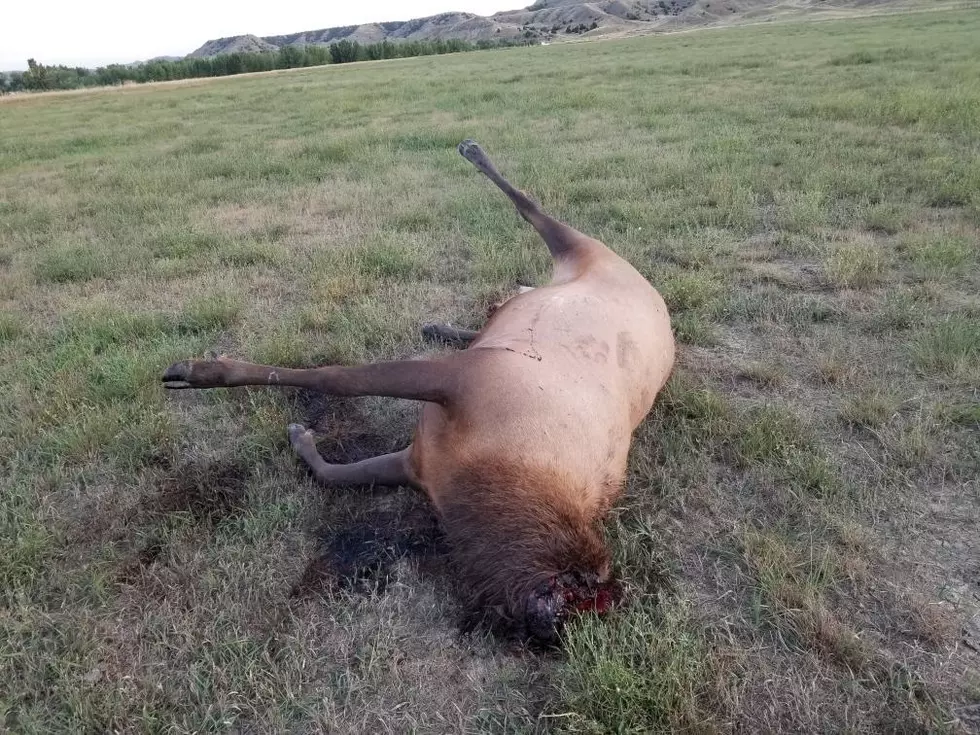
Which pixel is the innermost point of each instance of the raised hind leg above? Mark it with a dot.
(387, 470)
(562, 240)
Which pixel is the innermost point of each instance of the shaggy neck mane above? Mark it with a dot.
(515, 527)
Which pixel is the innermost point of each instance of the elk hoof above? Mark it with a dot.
(301, 440)
(432, 331)
(444, 333)
(472, 152)
(195, 374)
(178, 376)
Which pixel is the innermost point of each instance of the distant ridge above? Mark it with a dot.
(543, 21)
(248, 44)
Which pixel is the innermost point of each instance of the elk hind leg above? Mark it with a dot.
(458, 337)
(449, 335)
(387, 470)
(562, 240)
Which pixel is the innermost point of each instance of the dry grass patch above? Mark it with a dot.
(949, 347)
(860, 264)
(871, 410)
(939, 255)
(765, 375)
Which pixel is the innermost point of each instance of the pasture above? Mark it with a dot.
(799, 529)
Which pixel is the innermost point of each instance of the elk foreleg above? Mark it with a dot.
(387, 470)
(420, 380)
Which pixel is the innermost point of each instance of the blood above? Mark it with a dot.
(600, 604)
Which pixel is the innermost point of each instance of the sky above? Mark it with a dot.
(101, 32)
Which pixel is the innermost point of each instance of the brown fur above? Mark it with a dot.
(536, 533)
(524, 437)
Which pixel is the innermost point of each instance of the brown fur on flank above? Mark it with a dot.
(523, 440)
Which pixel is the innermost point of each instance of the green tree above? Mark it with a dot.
(290, 57)
(344, 52)
(36, 77)
(41, 77)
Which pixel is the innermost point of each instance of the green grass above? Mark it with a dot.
(67, 264)
(214, 311)
(770, 434)
(797, 532)
(940, 255)
(11, 327)
(649, 670)
(950, 346)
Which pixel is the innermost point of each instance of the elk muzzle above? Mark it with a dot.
(552, 603)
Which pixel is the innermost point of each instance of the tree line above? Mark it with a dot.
(41, 77)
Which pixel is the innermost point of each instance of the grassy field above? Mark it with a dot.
(799, 532)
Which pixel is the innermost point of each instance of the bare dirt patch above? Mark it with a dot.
(209, 492)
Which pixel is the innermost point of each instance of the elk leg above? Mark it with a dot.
(562, 240)
(420, 380)
(449, 335)
(456, 337)
(387, 470)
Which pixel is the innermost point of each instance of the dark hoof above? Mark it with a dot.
(195, 374)
(448, 335)
(468, 148)
(433, 332)
(177, 376)
(298, 434)
(303, 444)
(472, 152)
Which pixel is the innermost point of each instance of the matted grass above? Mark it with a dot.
(799, 531)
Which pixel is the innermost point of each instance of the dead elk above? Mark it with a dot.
(523, 438)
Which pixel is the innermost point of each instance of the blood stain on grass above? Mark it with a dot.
(360, 557)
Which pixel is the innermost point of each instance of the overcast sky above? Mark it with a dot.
(105, 31)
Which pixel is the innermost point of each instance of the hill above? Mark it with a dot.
(544, 20)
